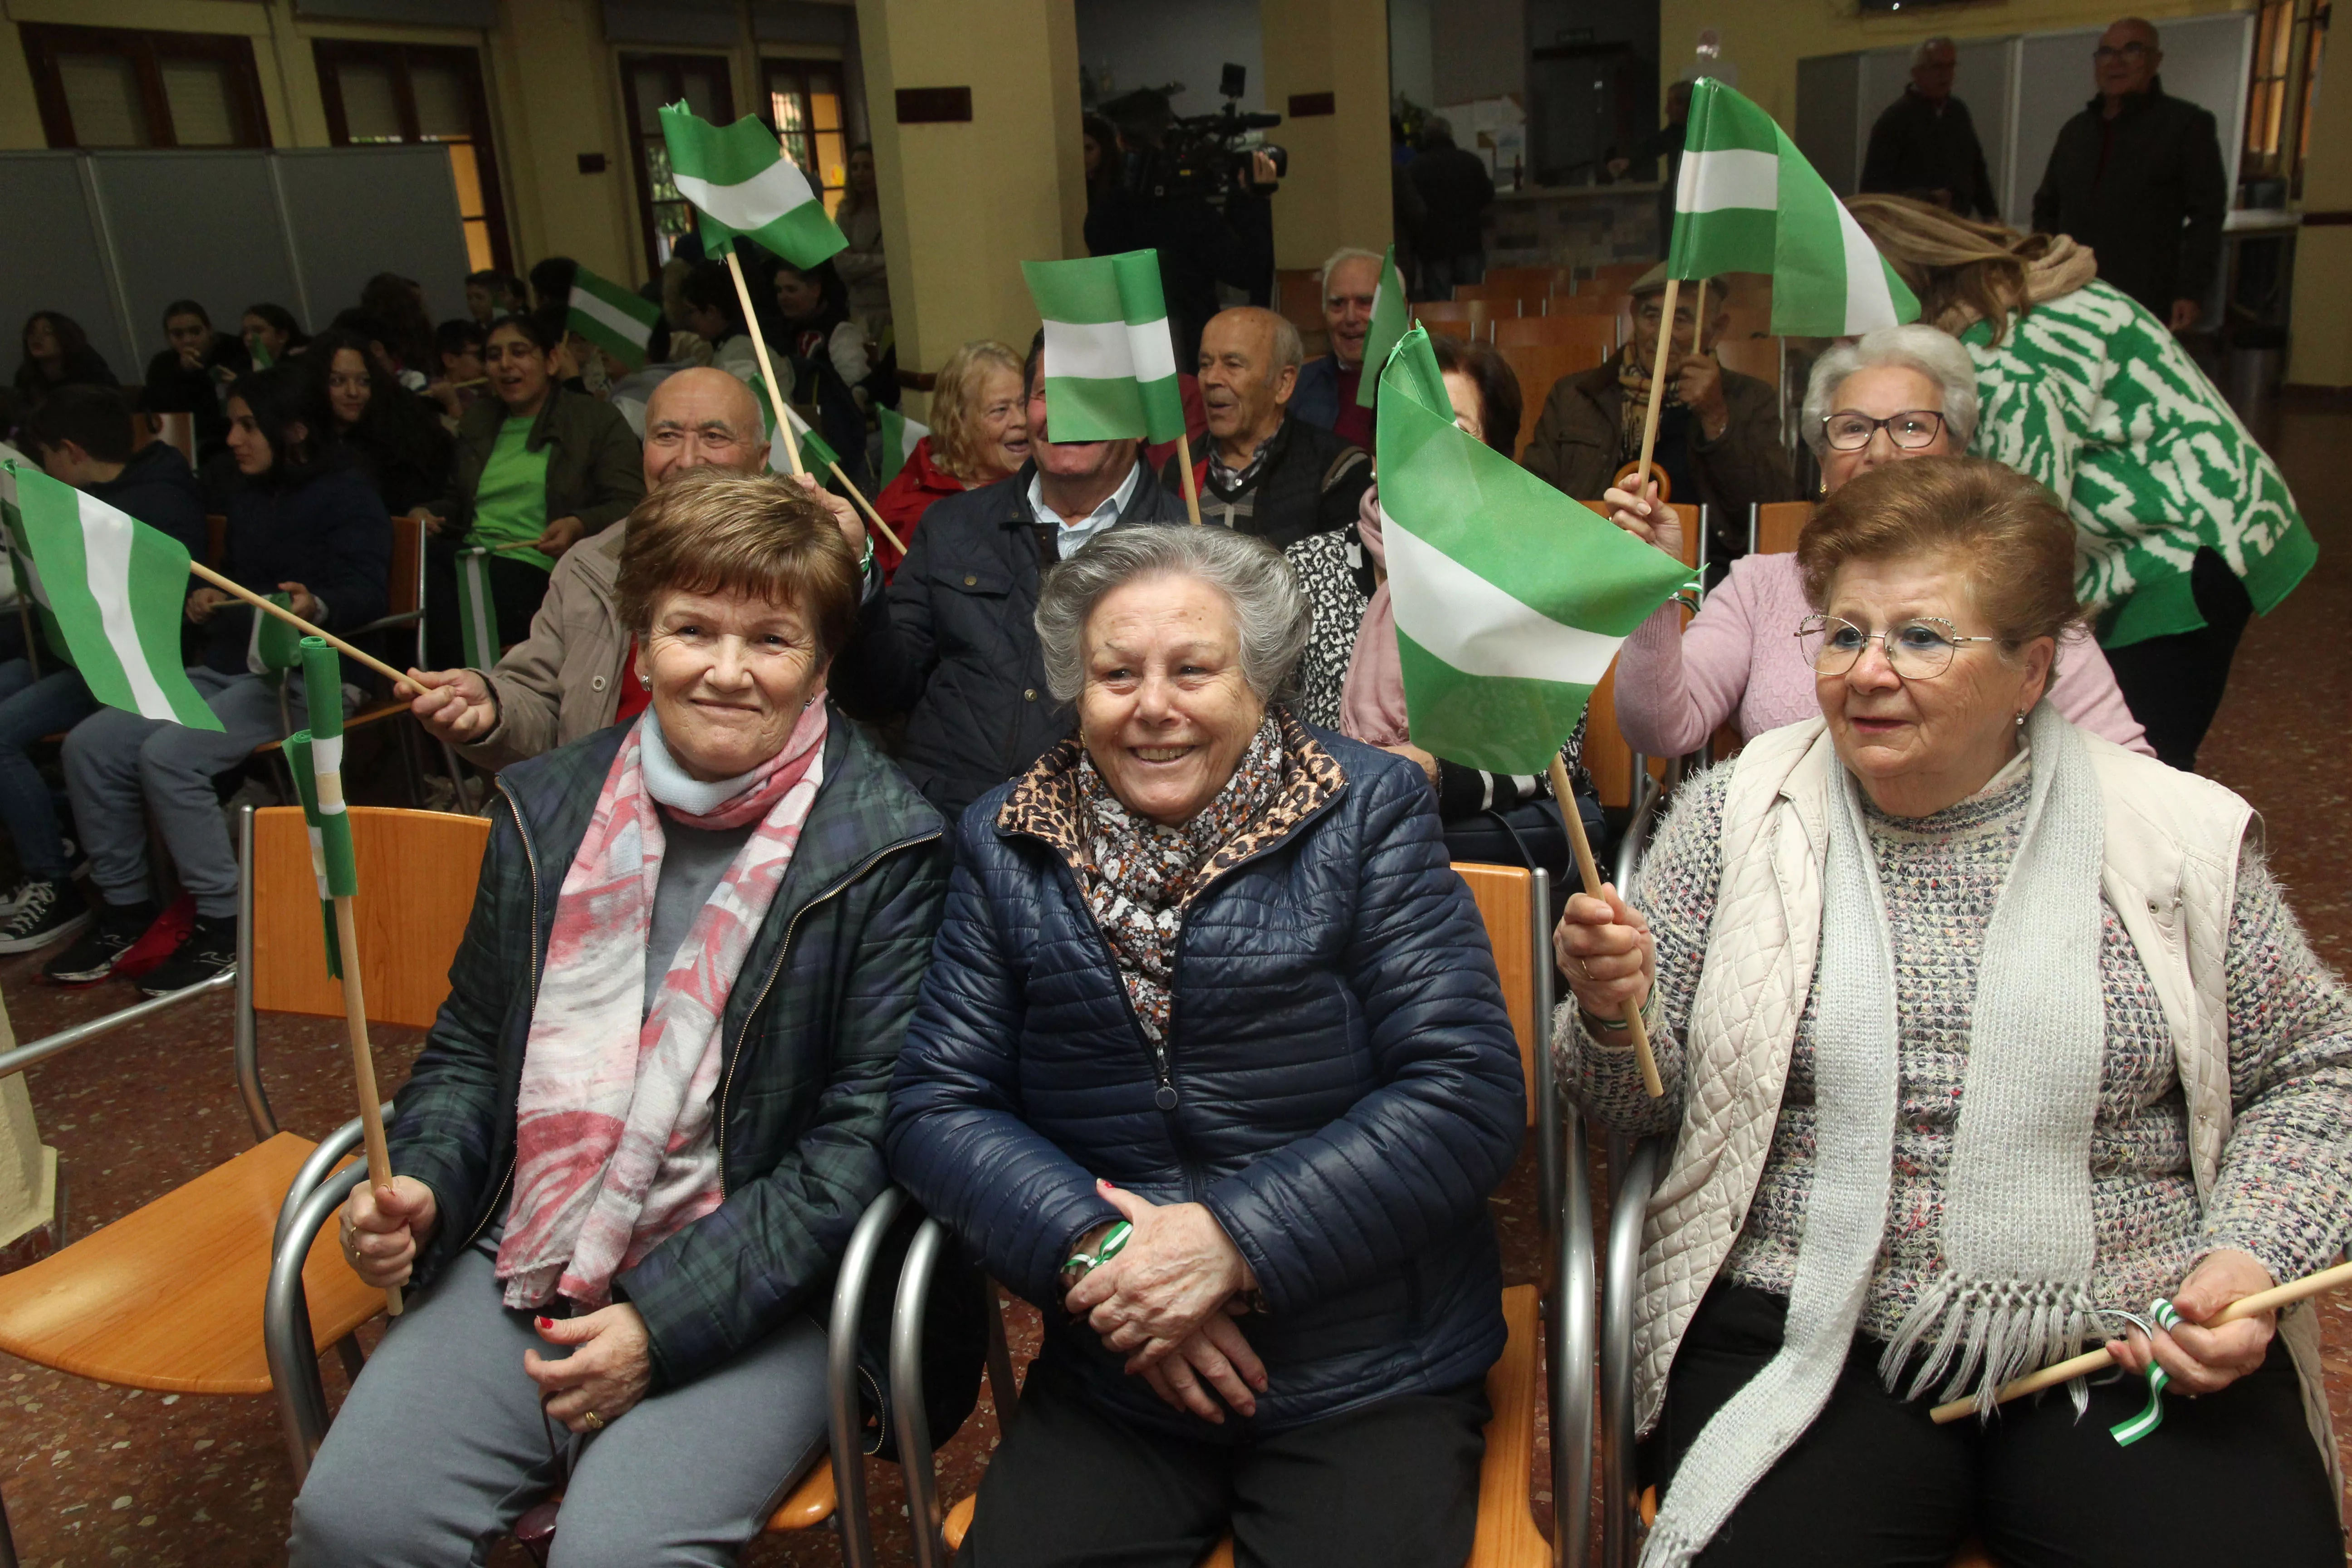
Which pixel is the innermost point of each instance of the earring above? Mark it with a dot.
(2020, 721)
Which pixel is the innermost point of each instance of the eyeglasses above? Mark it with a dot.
(1918, 649)
(2131, 51)
(1914, 429)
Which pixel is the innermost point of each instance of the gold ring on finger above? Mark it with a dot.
(594, 1422)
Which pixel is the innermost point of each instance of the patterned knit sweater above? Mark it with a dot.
(2090, 394)
(2285, 1191)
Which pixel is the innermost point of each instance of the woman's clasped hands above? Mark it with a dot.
(1168, 1301)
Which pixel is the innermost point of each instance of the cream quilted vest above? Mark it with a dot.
(2172, 845)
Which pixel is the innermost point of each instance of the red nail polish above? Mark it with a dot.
(544, 1324)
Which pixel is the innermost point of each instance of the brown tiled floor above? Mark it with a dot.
(94, 1475)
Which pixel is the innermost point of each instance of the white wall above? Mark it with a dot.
(1411, 63)
(1149, 42)
(1479, 50)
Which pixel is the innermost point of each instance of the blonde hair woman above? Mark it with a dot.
(979, 434)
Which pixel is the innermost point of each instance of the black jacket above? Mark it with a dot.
(1200, 247)
(159, 488)
(2146, 190)
(1342, 1088)
(951, 644)
(1456, 190)
(330, 534)
(1916, 150)
(173, 388)
(1309, 481)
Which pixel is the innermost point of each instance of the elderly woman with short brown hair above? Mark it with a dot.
(1982, 1032)
(650, 1113)
(979, 434)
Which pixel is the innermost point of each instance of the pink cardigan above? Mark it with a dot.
(1674, 687)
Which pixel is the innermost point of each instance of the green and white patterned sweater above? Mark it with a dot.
(2091, 396)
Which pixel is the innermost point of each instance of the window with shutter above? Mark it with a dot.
(103, 96)
(124, 87)
(383, 93)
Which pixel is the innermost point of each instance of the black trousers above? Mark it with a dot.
(516, 589)
(2232, 1477)
(1391, 1486)
(2174, 684)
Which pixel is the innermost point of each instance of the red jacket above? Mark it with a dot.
(906, 498)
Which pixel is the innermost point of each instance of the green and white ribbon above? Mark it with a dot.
(2126, 1433)
(477, 626)
(304, 768)
(322, 688)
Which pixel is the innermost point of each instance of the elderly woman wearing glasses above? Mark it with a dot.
(1894, 394)
(1983, 1032)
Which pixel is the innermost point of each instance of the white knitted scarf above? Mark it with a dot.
(2016, 1231)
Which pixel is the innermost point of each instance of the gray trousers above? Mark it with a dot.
(441, 1447)
(116, 762)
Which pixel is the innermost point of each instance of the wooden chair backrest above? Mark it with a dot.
(1520, 282)
(1299, 298)
(178, 430)
(216, 539)
(1506, 899)
(405, 588)
(1758, 357)
(1779, 523)
(417, 872)
(1609, 305)
(1501, 303)
(1466, 319)
(1539, 369)
(1543, 332)
(1615, 278)
(1608, 756)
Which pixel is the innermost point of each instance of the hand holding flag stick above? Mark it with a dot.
(332, 860)
(261, 602)
(1563, 795)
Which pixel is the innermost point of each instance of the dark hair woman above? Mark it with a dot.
(272, 335)
(57, 352)
(397, 304)
(397, 434)
(832, 365)
(304, 521)
(192, 375)
(538, 469)
(670, 1230)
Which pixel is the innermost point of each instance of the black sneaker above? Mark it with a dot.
(209, 950)
(101, 947)
(47, 913)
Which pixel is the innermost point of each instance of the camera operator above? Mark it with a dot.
(1200, 246)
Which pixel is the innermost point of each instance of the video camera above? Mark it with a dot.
(1204, 155)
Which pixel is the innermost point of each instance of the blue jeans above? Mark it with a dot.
(29, 710)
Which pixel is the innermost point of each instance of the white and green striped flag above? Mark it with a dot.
(816, 456)
(613, 318)
(1110, 363)
(1511, 599)
(477, 624)
(738, 179)
(114, 589)
(1391, 316)
(1748, 201)
(900, 436)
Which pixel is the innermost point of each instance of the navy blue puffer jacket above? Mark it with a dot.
(1347, 1087)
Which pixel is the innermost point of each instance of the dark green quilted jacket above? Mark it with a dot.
(811, 1033)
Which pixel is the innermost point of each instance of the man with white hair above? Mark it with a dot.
(1265, 473)
(1925, 145)
(1326, 392)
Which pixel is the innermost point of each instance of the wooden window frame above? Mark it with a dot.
(630, 62)
(803, 67)
(328, 54)
(146, 49)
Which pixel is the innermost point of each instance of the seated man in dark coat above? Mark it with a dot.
(1267, 473)
(950, 644)
(1719, 431)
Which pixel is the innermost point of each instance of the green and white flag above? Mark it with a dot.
(323, 697)
(1391, 317)
(816, 455)
(1511, 599)
(114, 589)
(303, 767)
(274, 647)
(1748, 202)
(612, 318)
(738, 179)
(477, 626)
(900, 437)
(1110, 363)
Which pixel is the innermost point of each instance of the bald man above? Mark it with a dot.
(566, 679)
(2138, 178)
(1266, 472)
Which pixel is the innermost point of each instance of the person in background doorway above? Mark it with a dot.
(272, 335)
(191, 374)
(395, 433)
(1456, 189)
(1098, 142)
(57, 352)
(980, 435)
(2138, 178)
(1265, 473)
(861, 265)
(1665, 142)
(1925, 144)
(1327, 384)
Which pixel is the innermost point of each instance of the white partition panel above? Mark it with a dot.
(199, 226)
(58, 259)
(357, 211)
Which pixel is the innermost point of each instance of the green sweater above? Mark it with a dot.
(2090, 394)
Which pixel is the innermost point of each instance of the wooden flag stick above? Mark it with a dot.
(31, 637)
(1192, 486)
(1563, 795)
(239, 591)
(379, 1158)
(767, 371)
(1657, 385)
(867, 507)
(2268, 1301)
(1698, 321)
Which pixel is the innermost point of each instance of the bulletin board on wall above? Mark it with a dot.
(121, 235)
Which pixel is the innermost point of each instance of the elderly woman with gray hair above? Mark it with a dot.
(1213, 1065)
(1891, 395)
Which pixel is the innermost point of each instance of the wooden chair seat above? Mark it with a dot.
(809, 1504)
(169, 1297)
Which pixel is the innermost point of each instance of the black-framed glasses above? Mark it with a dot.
(1920, 648)
(1914, 429)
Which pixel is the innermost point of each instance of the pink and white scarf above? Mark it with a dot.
(615, 1153)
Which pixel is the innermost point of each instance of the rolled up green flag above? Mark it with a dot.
(323, 684)
(300, 762)
(274, 647)
(1391, 317)
(477, 628)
